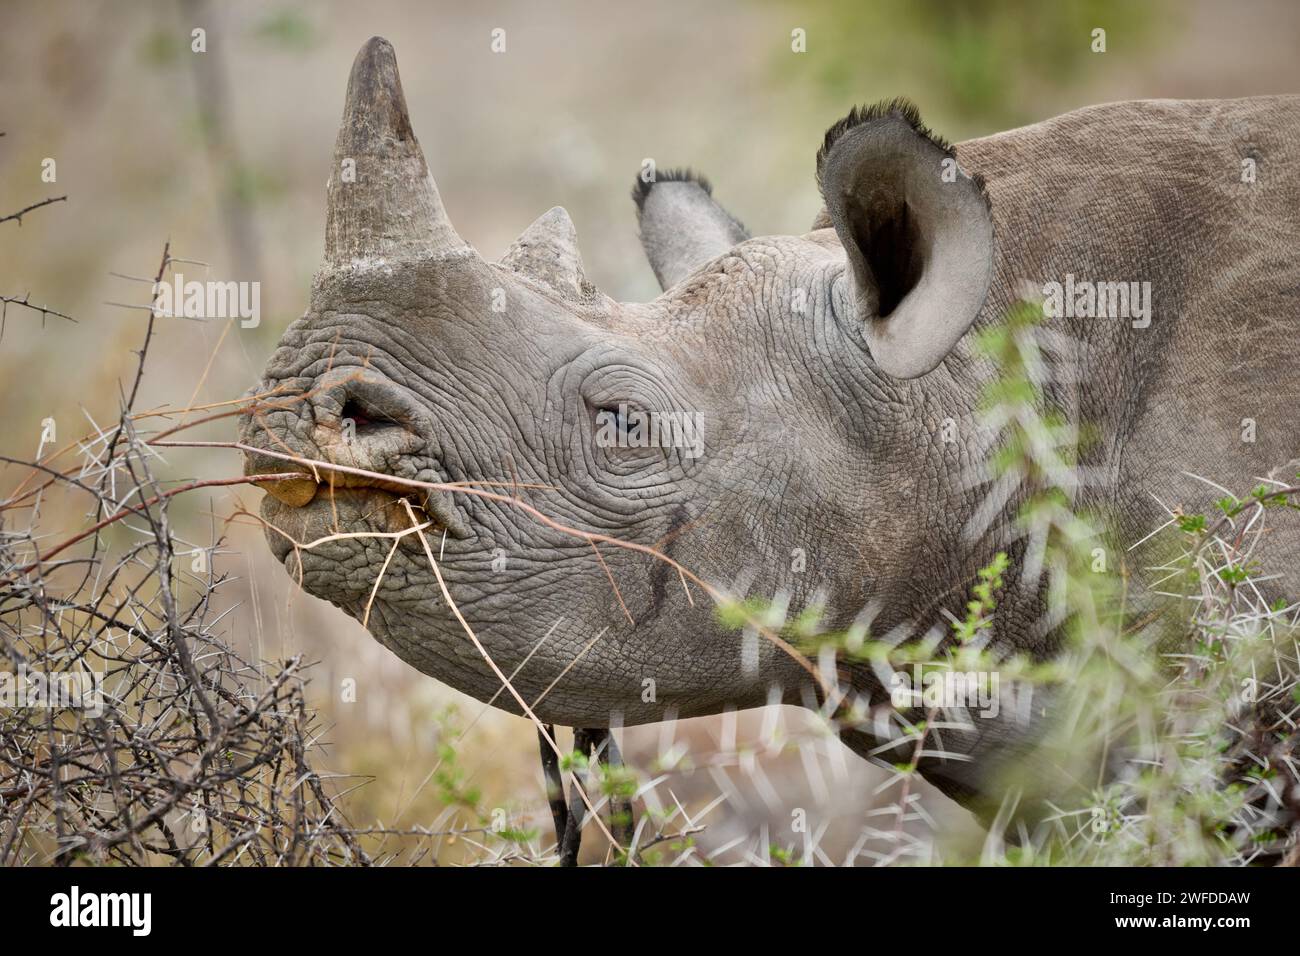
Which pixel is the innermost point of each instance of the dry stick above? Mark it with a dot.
(212, 357)
(541, 728)
(163, 536)
(618, 594)
(515, 673)
(251, 402)
(299, 546)
(144, 348)
(105, 522)
(242, 408)
(18, 216)
(464, 488)
(56, 476)
(139, 416)
(25, 301)
(569, 666)
(6, 301)
(487, 705)
(365, 618)
(163, 411)
(110, 446)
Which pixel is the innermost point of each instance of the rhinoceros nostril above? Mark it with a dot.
(363, 416)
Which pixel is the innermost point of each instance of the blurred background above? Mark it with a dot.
(226, 154)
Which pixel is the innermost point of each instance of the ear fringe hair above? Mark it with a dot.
(901, 108)
(641, 188)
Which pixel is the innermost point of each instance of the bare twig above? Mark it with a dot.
(18, 216)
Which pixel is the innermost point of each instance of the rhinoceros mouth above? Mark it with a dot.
(342, 499)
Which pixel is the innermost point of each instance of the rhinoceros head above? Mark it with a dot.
(756, 423)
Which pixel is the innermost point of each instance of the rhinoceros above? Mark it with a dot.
(802, 383)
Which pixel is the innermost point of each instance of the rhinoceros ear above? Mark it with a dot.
(917, 232)
(548, 252)
(682, 227)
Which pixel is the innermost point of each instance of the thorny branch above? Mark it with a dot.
(18, 216)
(173, 747)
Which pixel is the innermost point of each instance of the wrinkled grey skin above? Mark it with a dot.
(821, 427)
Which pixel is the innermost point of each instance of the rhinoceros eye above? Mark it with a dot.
(615, 414)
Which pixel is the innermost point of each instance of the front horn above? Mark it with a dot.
(383, 203)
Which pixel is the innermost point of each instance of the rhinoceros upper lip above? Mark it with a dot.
(300, 492)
